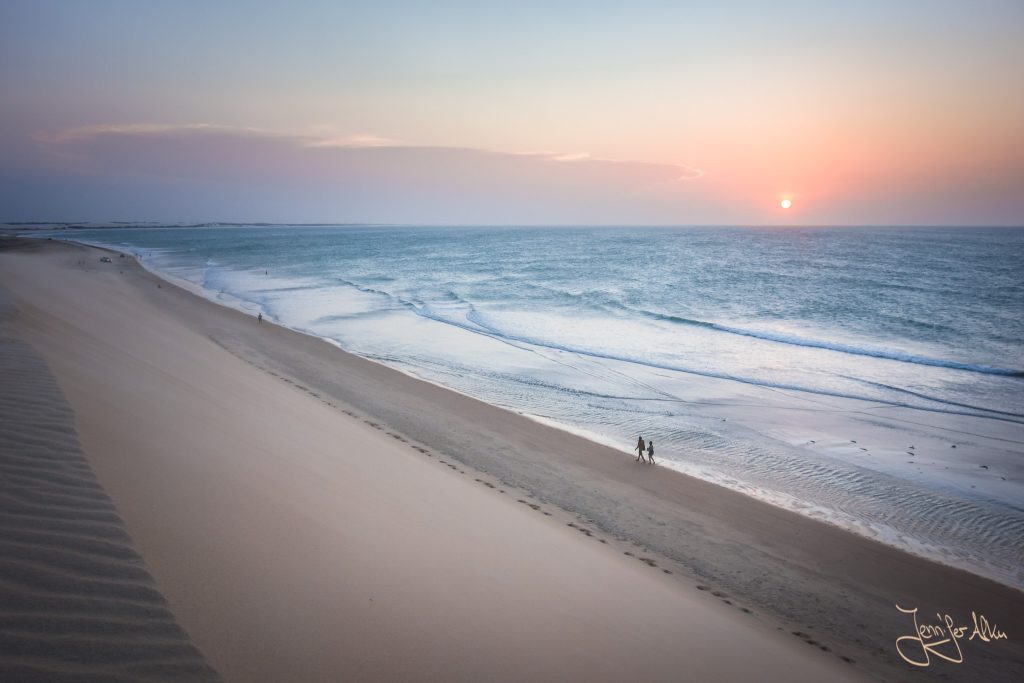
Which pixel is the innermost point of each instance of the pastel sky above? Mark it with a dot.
(475, 112)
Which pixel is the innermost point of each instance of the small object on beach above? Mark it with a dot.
(105, 259)
(910, 447)
(984, 467)
(852, 441)
(953, 446)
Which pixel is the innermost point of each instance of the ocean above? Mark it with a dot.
(754, 357)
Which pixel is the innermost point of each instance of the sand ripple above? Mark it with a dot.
(76, 600)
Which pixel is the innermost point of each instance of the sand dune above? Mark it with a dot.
(297, 541)
(76, 601)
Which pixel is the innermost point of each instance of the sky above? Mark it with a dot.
(553, 112)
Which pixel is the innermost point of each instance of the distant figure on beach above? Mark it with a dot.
(640, 450)
(259, 318)
(650, 451)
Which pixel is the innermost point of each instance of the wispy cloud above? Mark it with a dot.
(320, 140)
(90, 132)
(578, 156)
(368, 176)
(354, 141)
(685, 172)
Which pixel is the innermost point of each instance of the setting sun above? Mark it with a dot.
(785, 203)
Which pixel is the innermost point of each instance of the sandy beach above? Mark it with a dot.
(304, 514)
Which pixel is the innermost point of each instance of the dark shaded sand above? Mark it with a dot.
(818, 587)
(76, 601)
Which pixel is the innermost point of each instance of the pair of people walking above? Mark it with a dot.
(640, 446)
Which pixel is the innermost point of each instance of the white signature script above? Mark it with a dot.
(942, 640)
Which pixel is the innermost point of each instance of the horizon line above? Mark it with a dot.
(200, 224)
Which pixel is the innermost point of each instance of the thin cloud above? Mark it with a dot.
(358, 141)
(686, 172)
(223, 170)
(578, 156)
(88, 132)
(355, 141)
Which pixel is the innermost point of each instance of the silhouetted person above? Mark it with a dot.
(640, 450)
(259, 318)
(650, 451)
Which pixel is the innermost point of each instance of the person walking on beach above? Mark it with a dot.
(259, 318)
(640, 450)
(650, 451)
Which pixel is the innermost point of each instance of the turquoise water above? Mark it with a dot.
(600, 329)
